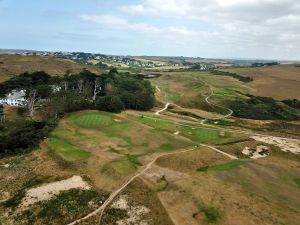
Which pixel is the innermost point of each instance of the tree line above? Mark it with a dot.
(53, 96)
(56, 95)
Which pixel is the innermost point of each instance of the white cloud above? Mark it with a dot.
(254, 28)
(117, 22)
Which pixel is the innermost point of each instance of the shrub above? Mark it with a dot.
(110, 103)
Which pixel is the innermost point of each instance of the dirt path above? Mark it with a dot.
(230, 112)
(165, 108)
(116, 192)
(102, 208)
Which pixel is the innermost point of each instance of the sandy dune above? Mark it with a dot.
(47, 191)
(286, 145)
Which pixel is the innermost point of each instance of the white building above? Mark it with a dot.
(14, 98)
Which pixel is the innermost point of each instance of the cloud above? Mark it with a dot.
(117, 22)
(253, 28)
(238, 21)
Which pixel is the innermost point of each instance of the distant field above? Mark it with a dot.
(12, 65)
(279, 82)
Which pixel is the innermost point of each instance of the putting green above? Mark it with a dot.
(92, 120)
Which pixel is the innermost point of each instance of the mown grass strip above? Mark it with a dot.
(66, 150)
(222, 167)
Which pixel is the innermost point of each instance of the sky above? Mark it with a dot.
(250, 29)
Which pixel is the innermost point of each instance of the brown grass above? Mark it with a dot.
(12, 65)
(256, 192)
(191, 161)
(279, 82)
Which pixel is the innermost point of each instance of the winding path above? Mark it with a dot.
(165, 108)
(230, 112)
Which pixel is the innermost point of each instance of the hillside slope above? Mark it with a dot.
(11, 65)
(279, 82)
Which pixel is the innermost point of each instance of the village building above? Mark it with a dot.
(14, 98)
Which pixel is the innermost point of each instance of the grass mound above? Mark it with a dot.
(92, 120)
(66, 150)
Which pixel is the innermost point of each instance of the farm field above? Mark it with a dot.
(13, 65)
(285, 79)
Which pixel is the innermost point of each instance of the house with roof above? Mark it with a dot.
(14, 98)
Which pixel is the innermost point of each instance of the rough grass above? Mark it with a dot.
(66, 150)
(280, 82)
(192, 160)
(13, 65)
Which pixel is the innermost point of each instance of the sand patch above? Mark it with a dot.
(47, 191)
(134, 213)
(260, 151)
(4, 196)
(286, 145)
(6, 165)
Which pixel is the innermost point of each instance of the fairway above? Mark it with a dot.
(66, 150)
(92, 120)
(221, 167)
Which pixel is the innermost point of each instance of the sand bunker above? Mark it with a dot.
(47, 191)
(259, 152)
(286, 145)
(134, 213)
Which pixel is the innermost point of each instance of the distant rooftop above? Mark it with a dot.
(14, 95)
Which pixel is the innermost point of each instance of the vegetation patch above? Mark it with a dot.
(120, 167)
(66, 207)
(211, 214)
(297, 181)
(112, 215)
(66, 150)
(264, 108)
(241, 78)
(134, 159)
(167, 147)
